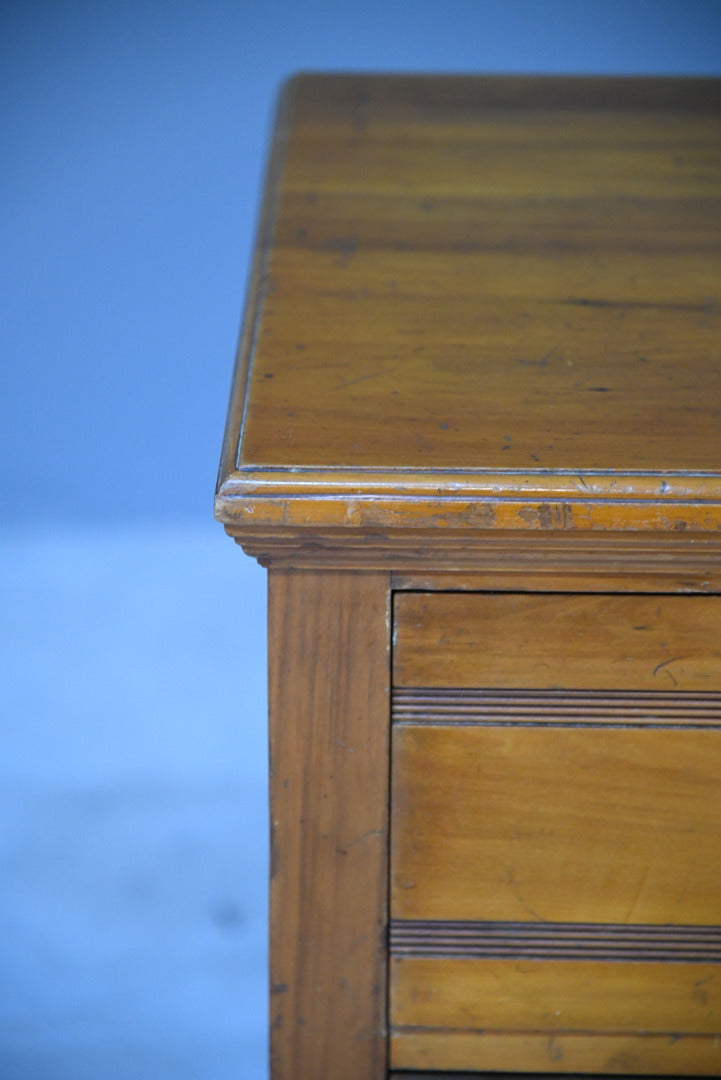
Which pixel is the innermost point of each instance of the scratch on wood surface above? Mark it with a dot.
(555, 1050)
(366, 836)
(365, 378)
(511, 882)
(346, 986)
(537, 363)
(360, 840)
(637, 894)
(345, 245)
(664, 666)
(273, 850)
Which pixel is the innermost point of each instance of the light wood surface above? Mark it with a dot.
(548, 823)
(485, 303)
(568, 1054)
(555, 829)
(328, 701)
(598, 642)
(546, 997)
(416, 1074)
(678, 560)
(551, 575)
(479, 377)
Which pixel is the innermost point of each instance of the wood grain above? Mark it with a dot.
(518, 640)
(661, 562)
(492, 1052)
(415, 1074)
(594, 825)
(487, 304)
(328, 696)
(551, 575)
(556, 996)
(447, 560)
(481, 354)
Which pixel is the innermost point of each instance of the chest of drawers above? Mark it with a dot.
(474, 435)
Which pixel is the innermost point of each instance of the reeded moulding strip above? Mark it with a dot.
(471, 940)
(555, 708)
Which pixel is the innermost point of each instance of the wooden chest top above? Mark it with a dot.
(485, 304)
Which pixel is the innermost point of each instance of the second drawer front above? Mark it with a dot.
(556, 824)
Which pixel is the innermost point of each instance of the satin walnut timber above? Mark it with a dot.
(475, 436)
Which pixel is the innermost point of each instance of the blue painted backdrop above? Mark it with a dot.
(132, 666)
(133, 141)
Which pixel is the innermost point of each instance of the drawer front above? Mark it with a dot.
(556, 833)
(652, 644)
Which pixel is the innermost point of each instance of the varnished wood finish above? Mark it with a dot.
(555, 1052)
(553, 996)
(479, 372)
(414, 1074)
(488, 304)
(694, 558)
(482, 940)
(328, 690)
(600, 642)
(556, 869)
(562, 708)
(556, 824)
(256, 286)
(555, 578)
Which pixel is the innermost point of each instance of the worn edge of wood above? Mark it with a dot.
(261, 252)
(290, 496)
(687, 580)
(540, 501)
(665, 554)
(633, 90)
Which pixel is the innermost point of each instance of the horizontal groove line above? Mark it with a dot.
(471, 722)
(558, 698)
(578, 713)
(468, 691)
(560, 941)
(525, 704)
(710, 951)
(559, 708)
(564, 938)
(568, 957)
(600, 931)
(561, 945)
(571, 947)
(584, 1033)
(553, 928)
